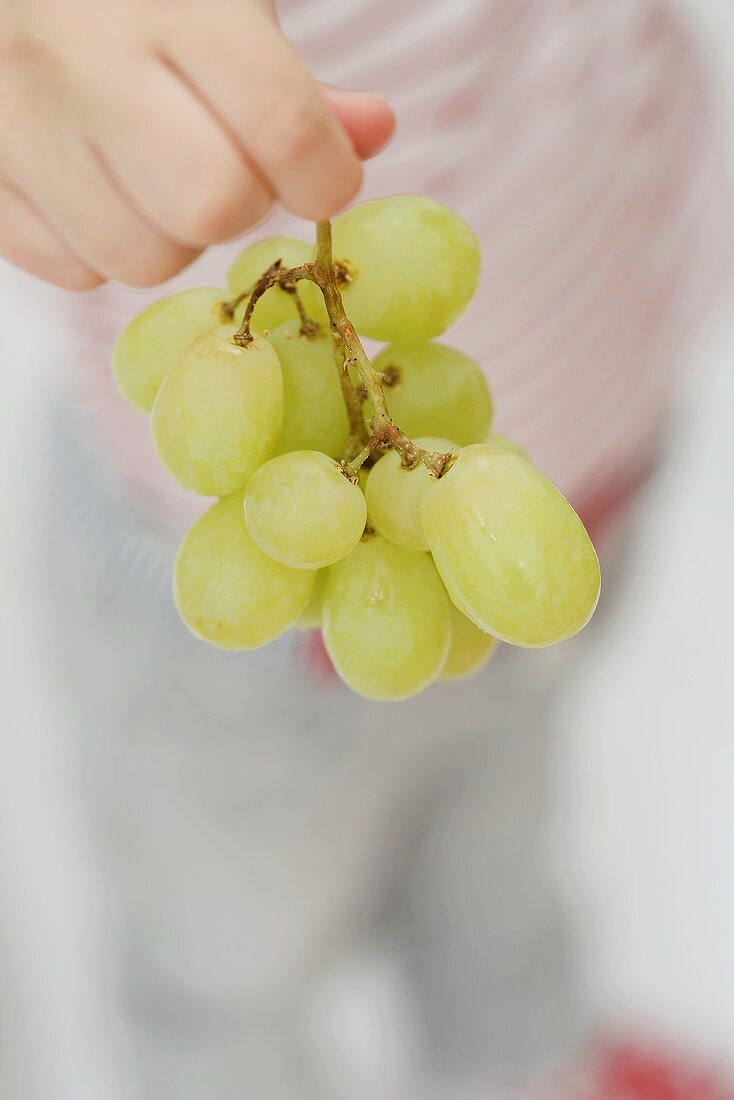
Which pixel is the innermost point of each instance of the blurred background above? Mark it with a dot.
(640, 837)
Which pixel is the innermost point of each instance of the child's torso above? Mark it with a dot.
(572, 136)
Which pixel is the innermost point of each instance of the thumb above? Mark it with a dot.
(367, 119)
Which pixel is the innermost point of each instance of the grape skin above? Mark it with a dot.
(156, 338)
(386, 620)
(504, 443)
(440, 391)
(471, 648)
(315, 417)
(310, 617)
(302, 511)
(513, 554)
(227, 591)
(276, 307)
(219, 413)
(394, 495)
(414, 266)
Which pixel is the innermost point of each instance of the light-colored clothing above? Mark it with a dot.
(576, 138)
(314, 897)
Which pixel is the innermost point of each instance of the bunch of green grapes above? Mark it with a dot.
(415, 539)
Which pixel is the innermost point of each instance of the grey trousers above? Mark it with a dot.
(314, 896)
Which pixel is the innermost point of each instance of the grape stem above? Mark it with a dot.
(349, 355)
(309, 328)
(276, 275)
(383, 431)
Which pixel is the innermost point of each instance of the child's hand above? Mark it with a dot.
(136, 132)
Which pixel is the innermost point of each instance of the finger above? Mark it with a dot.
(176, 159)
(367, 119)
(27, 240)
(70, 183)
(275, 109)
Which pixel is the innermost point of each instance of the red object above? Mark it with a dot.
(316, 661)
(630, 1071)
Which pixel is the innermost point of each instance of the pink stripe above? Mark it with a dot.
(568, 200)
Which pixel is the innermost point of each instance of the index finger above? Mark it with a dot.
(257, 86)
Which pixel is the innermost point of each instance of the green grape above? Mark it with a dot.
(386, 620)
(315, 416)
(310, 617)
(394, 495)
(155, 340)
(219, 412)
(413, 266)
(276, 306)
(363, 474)
(470, 648)
(435, 390)
(227, 591)
(510, 549)
(303, 511)
(504, 443)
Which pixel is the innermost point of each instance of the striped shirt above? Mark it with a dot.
(576, 137)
